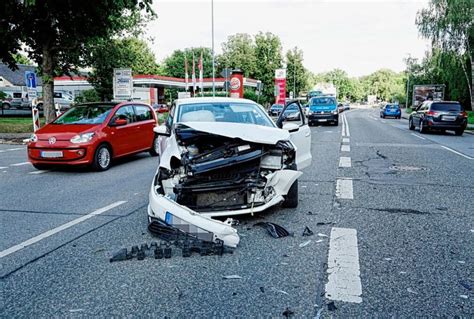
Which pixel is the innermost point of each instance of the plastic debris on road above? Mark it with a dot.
(464, 296)
(412, 291)
(275, 230)
(322, 235)
(465, 285)
(331, 306)
(306, 243)
(288, 313)
(307, 232)
(232, 277)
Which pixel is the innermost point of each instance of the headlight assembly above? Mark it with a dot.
(82, 138)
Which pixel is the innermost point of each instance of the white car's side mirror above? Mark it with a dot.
(162, 130)
(291, 127)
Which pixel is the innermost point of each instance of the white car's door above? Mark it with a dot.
(300, 134)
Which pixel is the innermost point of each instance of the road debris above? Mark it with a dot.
(462, 262)
(465, 285)
(412, 291)
(262, 289)
(318, 314)
(331, 306)
(232, 277)
(306, 243)
(288, 313)
(322, 235)
(275, 230)
(325, 223)
(307, 232)
(388, 259)
(464, 296)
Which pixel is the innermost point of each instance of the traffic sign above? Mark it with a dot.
(30, 81)
(123, 84)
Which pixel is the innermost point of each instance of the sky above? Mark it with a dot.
(357, 36)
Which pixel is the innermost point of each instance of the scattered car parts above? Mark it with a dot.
(275, 230)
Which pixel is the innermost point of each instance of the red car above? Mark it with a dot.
(94, 134)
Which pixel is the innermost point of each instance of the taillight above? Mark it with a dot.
(432, 113)
(464, 114)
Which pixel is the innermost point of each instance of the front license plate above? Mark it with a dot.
(322, 120)
(448, 118)
(51, 154)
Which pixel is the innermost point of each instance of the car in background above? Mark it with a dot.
(439, 115)
(323, 109)
(390, 110)
(224, 157)
(340, 107)
(62, 98)
(160, 108)
(292, 113)
(347, 106)
(94, 134)
(275, 109)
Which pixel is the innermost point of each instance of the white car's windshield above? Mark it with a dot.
(245, 113)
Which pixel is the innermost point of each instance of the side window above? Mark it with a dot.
(127, 113)
(169, 119)
(292, 114)
(143, 113)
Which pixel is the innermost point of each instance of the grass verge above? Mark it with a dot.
(17, 124)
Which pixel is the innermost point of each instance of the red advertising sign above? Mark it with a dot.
(280, 86)
(236, 84)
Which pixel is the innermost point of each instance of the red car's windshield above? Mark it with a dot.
(85, 114)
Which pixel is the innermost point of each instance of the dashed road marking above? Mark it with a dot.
(11, 149)
(345, 140)
(3, 167)
(420, 137)
(344, 282)
(56, 230)
(20, 164)
(344, 161)
(344, 189)
(345, 148)
(456, 152)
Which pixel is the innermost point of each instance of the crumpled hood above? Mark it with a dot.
(247, 132)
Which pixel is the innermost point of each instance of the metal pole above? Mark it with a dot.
(213, 55)
(408, 85)
(294, 80)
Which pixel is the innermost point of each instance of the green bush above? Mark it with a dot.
(87, 96)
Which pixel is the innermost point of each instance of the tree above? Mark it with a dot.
(449, 24)
(269, 58)
(385, 84)
(57, 34)
(173, 65)
(296, 75)
(239, 53)
(106, 55)
(21, 59)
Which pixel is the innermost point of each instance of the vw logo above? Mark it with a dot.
(52, 140)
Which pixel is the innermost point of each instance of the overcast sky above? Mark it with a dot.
(356, 36)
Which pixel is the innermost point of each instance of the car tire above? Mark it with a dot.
(102, 158)
(40, 167)
(155, 146)
(459, 132)
(422, 127)
(411, 126)
(291, 199)
(336, 123)
(5, 106)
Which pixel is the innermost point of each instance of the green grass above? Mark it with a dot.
(17, 124)
(470, 117)
(409, 110)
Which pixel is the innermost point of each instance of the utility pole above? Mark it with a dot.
(213, 54)
(408, 87)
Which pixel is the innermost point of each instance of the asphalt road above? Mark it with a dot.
(400, 204)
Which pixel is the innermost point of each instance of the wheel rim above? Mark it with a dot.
(104, 157)
(156, 145)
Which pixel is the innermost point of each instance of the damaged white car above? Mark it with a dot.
(223, 157)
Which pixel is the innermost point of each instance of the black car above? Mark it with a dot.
(275, 110)
(439, 115)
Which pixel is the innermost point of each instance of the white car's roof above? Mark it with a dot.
(212, 100)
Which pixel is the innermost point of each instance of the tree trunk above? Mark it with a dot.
(48, 84)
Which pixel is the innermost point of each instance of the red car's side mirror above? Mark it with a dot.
(119, 122)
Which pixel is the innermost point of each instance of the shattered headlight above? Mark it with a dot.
(82, 138)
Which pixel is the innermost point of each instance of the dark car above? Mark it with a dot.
(340, 107)
(323, 109)
(391, 110)
(275, 109)
(440, 115)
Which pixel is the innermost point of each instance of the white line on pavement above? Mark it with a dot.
(348, 134)
(455, 152)
(344, 161)
(3, 167)
(344, 282)
(20, 164)
(345, 148)
(344, 188)
(56, 230)
(343, 126)
(345, 140)
(15, 149)
(416, 135)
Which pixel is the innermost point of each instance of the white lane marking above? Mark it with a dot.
(344, 188)
(345, 140)
(343, 126)
(416, 135)
(344, 282)
(345, 148)
(3, 167)
(56, 230)
(456, 152)
(39, 172)
(14, 149)
(348, 134)
(344, 161)
(20, 164)
(383, 121)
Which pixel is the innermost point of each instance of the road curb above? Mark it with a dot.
(13, 138)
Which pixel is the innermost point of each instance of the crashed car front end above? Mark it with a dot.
(202, 174)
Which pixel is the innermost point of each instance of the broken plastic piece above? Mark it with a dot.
(306, 243)
(465, 285)
(288, 312)
(119, 255)
(307, 232)
(322, 235)
(275, 230)
(332, 306)
(324, 223)
(141, 254)
(232, 277)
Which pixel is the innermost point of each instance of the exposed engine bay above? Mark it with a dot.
(210, 172)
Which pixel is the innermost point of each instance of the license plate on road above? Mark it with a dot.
(448, 118)
(51, 154)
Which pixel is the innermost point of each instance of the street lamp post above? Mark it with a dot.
(213, 55)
